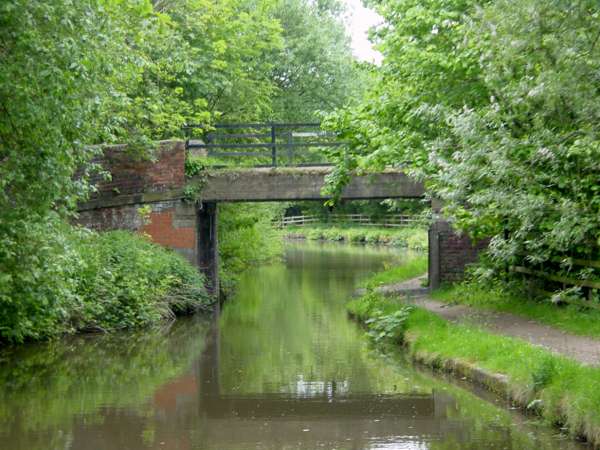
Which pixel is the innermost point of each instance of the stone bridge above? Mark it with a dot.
(189, 225)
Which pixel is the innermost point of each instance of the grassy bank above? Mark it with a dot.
(413, 268)
(571, 318)
(562, 391)
(100, 282)
(413, 238)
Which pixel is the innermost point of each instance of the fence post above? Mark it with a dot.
(273, 147)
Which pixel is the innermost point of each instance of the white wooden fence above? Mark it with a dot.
(388, 221)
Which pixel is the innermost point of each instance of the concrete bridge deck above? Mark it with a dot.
(303, 183)
(268, 184)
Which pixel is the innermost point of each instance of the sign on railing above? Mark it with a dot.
(264, 144)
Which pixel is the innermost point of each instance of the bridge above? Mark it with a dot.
(180, 212)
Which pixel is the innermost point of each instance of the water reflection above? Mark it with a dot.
(282, 369)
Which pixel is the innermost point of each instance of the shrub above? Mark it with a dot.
(96, 281)
(126, 281)
(372, 237)
(385, 319)
(388, 327)
(314, 235)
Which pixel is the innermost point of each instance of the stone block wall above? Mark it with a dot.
(450, 253)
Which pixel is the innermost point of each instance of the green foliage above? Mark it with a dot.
(542, 376)
(388, 327)
(315, 70)
(364, 307)
(412, 268)
(385, 321)
(96, 281)
(125, 281)
(75, 74)
(412, 238)
(246, 238)
(493, 106)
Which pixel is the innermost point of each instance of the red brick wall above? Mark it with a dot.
(172, 222)
(450, 253)
(132, 176)
(456, 253)
(162, 230)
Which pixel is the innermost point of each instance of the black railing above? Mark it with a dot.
(263, 144)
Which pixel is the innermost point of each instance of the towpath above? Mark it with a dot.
(581, 348)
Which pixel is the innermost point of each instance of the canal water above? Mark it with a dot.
(282, 368)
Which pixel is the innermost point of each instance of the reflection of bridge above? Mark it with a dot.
(193, 411)
(306, 418)
(183, 210)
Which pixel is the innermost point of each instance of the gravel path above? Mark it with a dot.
(583, 349)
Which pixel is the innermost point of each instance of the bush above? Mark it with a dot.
(388, 327)
(385, 320)
(315, 235)
(93, 281)
(372, 237)
(126, 281)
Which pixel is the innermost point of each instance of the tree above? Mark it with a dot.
(315, 70)
(495, 107)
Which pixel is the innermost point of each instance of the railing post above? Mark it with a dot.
(273, 147)
(290, 150)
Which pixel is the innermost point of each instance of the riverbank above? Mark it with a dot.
(412, 238)
(563, 392)
(104, 282)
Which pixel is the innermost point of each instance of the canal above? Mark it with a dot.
(282, 368)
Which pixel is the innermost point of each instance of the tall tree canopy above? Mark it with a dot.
(315, 70)
(495, 106)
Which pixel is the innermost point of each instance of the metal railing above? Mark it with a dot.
(264, 144)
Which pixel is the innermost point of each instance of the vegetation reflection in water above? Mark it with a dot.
(284, 369)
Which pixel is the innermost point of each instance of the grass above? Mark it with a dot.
(413, 238)
(564, 392)
(570, 318)
(412, 269)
